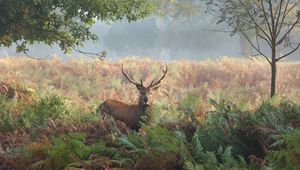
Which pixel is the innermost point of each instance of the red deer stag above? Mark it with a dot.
(131, 114)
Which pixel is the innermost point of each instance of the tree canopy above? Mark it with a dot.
(63, 22)
(176, 8)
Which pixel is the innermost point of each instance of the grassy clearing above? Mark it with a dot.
(206, 115)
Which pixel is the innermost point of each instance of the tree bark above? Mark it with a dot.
(273, 70)
(273, 78)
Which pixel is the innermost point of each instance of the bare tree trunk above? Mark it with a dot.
(273, 71)
(246, 47)
(273, 79)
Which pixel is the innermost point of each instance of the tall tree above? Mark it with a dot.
(274, 23)
(168, 12)
(63, 22)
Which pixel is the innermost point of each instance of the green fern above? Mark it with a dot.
(67, 149)
(221, 128)
(188, 165)
(288, 156)
(36, 115)
(217, 159)
(188, 105)
(7, 122)
(155, 147)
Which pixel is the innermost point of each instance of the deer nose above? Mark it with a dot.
(145, 99)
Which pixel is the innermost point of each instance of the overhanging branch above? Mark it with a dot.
(24, 50)
(101, 55)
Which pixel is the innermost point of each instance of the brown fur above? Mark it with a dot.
(129, 114)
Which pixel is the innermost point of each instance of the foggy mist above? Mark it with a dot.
(160, 38)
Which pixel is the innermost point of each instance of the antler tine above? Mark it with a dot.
(152, 84)
(141, 82)
(127, 77)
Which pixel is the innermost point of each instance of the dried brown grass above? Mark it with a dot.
(87, 82)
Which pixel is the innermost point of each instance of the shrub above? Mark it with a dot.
(7, 122)
(277, 113)
(162, 113)
(156, 148)
(222, 158)
(249, 133)
(65, 151)
(288, 157)
(37, 115)
(222, 127)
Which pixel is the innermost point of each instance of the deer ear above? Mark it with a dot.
(155, 88)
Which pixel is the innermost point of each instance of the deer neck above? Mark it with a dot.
(143, 107)
(144, 112)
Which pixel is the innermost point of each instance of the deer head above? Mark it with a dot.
(145, 91)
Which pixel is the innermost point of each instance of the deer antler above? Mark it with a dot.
(129, 79)
(152, 84)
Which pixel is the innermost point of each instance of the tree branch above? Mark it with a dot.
(36, 58)
(24, 50)
(257, 5)
(278, 17)
(289, 30)
(292, 7)
(288, 53)
(253, 20)
(101, 55)
(258, 34)
(272, 19)
(266, 18)
(282, 19)
(257, 41)
(247, 38)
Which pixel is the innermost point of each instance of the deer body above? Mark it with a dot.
(131, 115)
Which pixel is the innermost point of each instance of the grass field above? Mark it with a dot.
(51, 121)
(244, 82)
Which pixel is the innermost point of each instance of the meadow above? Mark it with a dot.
(213, 114)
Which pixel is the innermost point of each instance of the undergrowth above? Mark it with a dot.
(228, 138)
(46, 108)
(185, 131)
